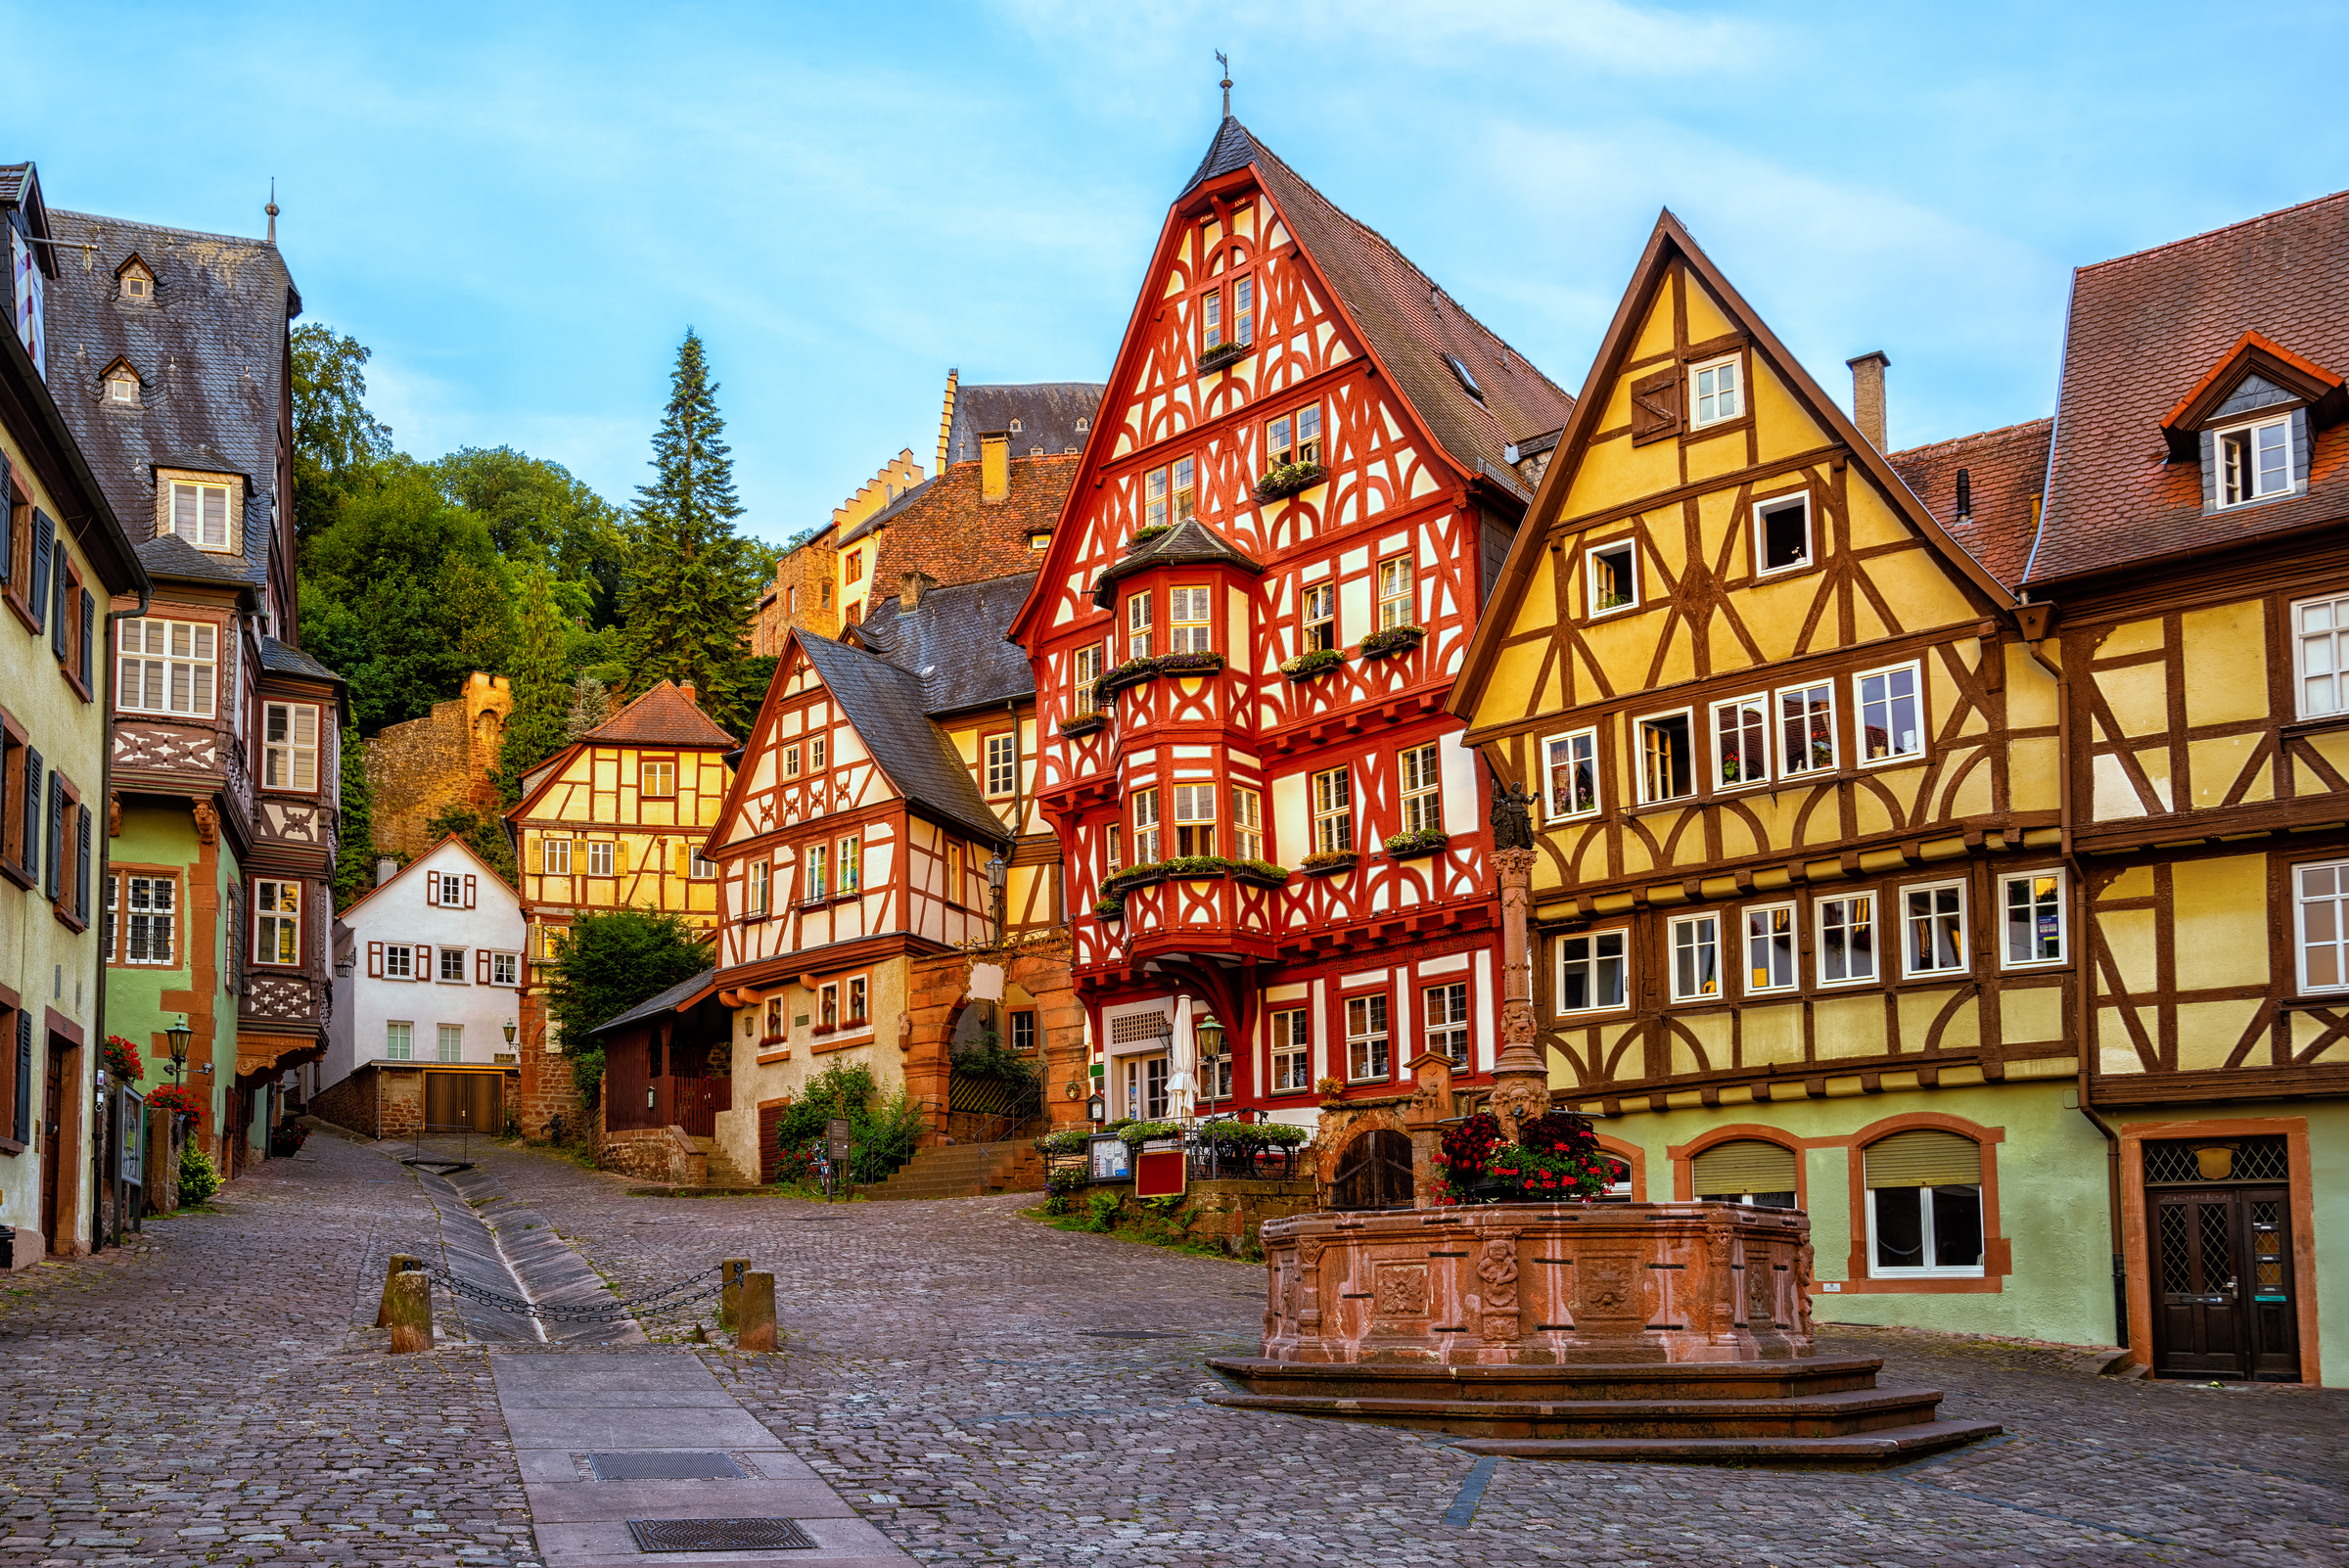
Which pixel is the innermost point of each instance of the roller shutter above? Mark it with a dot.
(1747, 1164)
(1924, 1157)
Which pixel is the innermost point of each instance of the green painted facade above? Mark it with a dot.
(158, 834)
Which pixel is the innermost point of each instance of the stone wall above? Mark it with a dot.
(374, 1101)
(1229, 1215)
(546, 1089)
(938, 989)
(652, 1154)
(418, 767)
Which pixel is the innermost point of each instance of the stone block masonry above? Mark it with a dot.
(416, 768)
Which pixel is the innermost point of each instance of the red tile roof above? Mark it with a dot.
(663, 717)
(947, 530)
(2144, 331)
(2006, 469)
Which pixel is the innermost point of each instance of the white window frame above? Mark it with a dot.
(1139, 616)
(400, 960)
(791, 761)
(816, 885)
(1694, 935)
(1086, 672)
(1909, 918)
(1592, 558)
(1764, 509)
(2249, 430)
(1736, 392)
(1370, 1037)
(276, 914)
(448, 1042)
(505, 969)
(758, 879)
(1317, 615)
(2336, 638)
(1876, 935)
(1589, 739)
(1860, 706)
(1190, 619)
(1003, 769)
(2064, 919)
(1444, 1017)
(399, 1039)
(698, 866)
(1154, 498)
(818, 750)
(2338, 942)
(667, 773)
(1639, 723)
(1247, 823)
(1621, 957)
(548, 855)
(1292, 1045)
(1398, 592)
(1787, 767)
(444, 962)
(848, 865)
(1793, 933)
(170, 667)
(151, 919)
(1185, 489)
(1193, 818)
(1146, 828)
(1754, 707)
(1332, 821)
(1884, 1270)
(198, 494)
(602, 857)
(284, 758)
(1420, 777)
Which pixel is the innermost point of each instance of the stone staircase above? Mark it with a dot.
(721, 1170)
(965, 1171)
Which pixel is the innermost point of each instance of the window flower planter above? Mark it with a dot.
(1330, 861)
(1224, 354)
(1144, 535)
(1132, 672)
(1109, 910)
(1189, 664)
(822, 1030)
(1083, 724)
(1410, 846)
(1288, 479)
(1262, 873)
(1391, 641)
(1312, 665)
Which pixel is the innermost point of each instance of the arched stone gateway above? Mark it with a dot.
(1373, 1172)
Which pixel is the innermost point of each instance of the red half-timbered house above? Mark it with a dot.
(1307, 469)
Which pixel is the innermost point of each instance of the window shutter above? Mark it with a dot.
(468, 890)
(537, 856)
(422, 963)
(620, 859)
(684, 859)
(32, 823)
(53, 875)
(375, 960)
(89, 640)
(23, 1076)
(44, 539)
(481, 966)
(1747, 1164)
(82, 869)
(7, 524)
(61, 623)
(1924, 1157)
(2210, 470)
(1656, 414)
(431, 887)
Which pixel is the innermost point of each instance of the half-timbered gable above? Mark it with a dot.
(1284, 524)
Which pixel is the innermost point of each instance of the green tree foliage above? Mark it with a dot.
(740, 710)
(541, 694)
(591, 707)
(537, 512)
(886, 1128)
(606, 966)
(354, 864)
(691, 580)
(337, 443)
(483, 832)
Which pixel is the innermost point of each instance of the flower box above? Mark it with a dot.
(821, 1030)
(1147, 535)
(1312, 665)
(1421, 841)
(1189, 664)
(1288, 479)
(1260, 873)
(1081, 725)
(1132, 672)
(1391, 641)
(1109, 910)
(1224, 354)
(1329, 863)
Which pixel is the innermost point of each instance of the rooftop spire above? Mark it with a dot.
(1224, 60)
(271, 209)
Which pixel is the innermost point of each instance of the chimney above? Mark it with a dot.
(686, 686)
(385, 870)
(1867, 395)
(910, 588)
(994, 465)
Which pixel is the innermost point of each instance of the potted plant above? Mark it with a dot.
(1288, 479)
(1109, 909)
(1148, 532)
(1264, 873)
(1554, 1159)
(821, 1030)
(1391, 641)
(1415, 842)
(1331, 1089)
(1306, 667)
(1326, 862)
(1081, 725)
(177, 1098)
(1189, 664)
(121, 1060)
(1224, 354)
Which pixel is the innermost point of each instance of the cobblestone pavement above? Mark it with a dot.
(959, 1374)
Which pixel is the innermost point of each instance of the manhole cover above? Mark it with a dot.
(716, 1535)
(665, 1468)
(1122, 1334)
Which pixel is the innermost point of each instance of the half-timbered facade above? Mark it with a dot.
(1284, 523)
(615, 820)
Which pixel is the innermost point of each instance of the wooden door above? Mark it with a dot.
(2223, 1273)
(1374, 1172)
(51, 1126)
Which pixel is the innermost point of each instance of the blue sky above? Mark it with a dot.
(520, 209)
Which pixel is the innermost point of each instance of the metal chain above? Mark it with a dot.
(668, 1299)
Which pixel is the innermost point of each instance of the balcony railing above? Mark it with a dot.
(1207, 1155)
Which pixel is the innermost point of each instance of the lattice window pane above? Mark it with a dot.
(2218, 1248)
(2177, 1259)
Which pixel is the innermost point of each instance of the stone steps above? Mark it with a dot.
(964, 1171)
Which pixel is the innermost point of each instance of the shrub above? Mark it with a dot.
(1135, 1134)
(984, 1056)
(198, 1180)
(1068, 1141)
(885, 1129)
(1101, 1210)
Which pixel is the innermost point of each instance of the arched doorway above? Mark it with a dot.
(1374, 1172)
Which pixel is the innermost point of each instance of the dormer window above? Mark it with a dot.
(121, 385)
(2254, 461)
(1015, 427)
(1459, 373)
(135, 281)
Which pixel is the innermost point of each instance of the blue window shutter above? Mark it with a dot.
(82, 869)
(89, 640)
(33, 812)
(60, 621)
(44, 539)
(53, 883)
(8, 523)
(23, 1123)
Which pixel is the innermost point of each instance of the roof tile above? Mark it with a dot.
(663, 717)
(2005, 471)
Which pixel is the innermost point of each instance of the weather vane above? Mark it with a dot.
(1223, 60)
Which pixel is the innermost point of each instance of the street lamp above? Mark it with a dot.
(176, 1036)
(999, 872)
(509, 1033)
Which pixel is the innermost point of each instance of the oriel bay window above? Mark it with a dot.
(1145, 827)
(1333, 813)
(2032, 903)
(1847, 939)
(1368, 1048)
(1741, 742)
(1696, 958)
(289, 747)
(276, 922)
(1593, 971)
(1446, 1010)
(1292, 1042)
(1137, 627)
(1891, 716)
(1247, 823)
(1933, 934)
(1570, 764)
(1194, 819)
(1667, 760)
(1806, 729)
(1423, 790)
(1770, 956)
(1924, 1204)
(166, 666)
(1188, 625)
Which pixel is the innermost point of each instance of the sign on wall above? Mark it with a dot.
(1108, 1158)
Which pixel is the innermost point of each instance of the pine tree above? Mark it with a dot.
(591, 707)
(542, 697)
(691, 582)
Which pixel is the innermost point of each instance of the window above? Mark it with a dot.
(1593, 971)
(755, 889)
(166, 668)
(1137, 627)
(1614, 578)
(1741, 742)
(399, 961)
(1215, 1058)
(791, 761)
(1448, 1020)
(1572, 764)
(1294, 439)
(1782, 535)
(818, 748)
(199, 514)
(1318, 613)
(849, 863)
(2255, 462)
(1423, 791)
(1210, 319)
(505, 969)
(276, 922)
(1146, 1087)
(1247, 823)
(1333, 813)
(957, 886)
(452, 964)
(1154, 498)
(819, 884)
(1087, 667)
(1366, 1040)
(1770, 948)
(546, 944)
(448, 889)
(1924, 1204)
(1394, 584)
(656, 777)
(399, 1041)
(2034, 904)
(1667, 762)
(122, 389)
(698, 866)
(2320, 639)
(289, 747)
(853, 571)
(1891, 722)
(450, 1045)
(1023, 1034)
(1112, 848)
(856, 1011)
(1847, 939)
(1696, 958)
(558, 857)
(149, 924)
(1145, 827)
(1243, 309)
(1187, 616)
(136, 284)
(1714, 392)
(1186, 489)
(827, 1007)
(599, 857)
(1933, 929)
(1002, 769)
(2322, 894)
(1292, 1052)
(1806, 729)
(1747, 1170)
(1194, 819)
(774, 1018)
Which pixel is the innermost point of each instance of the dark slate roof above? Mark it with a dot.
(1411, 323)
(210, 350)
(953, 643)
(1048, 412)
(172, 559)
(2005, 471)
(674, 999)
(1187, 544)
(282, 658)
(887, 705)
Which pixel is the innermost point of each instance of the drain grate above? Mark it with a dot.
(1122, 1334)
(716, 1535)
(665, 1468)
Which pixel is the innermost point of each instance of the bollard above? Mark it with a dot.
(392, 1272)
(756, 1331)
(729, 1297)
(408, 1304)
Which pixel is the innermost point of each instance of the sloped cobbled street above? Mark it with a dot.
(975, 1385)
